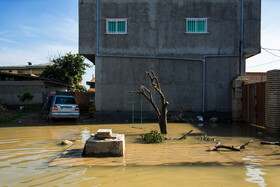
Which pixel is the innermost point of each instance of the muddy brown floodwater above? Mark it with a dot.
(32, 156)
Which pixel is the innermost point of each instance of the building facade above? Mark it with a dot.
(196, 47)
(30, 69)
(12, 85)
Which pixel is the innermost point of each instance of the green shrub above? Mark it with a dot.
(152, 137)
(204, 137)
(26, 98)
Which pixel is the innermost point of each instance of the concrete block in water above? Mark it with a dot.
(104, 133)
(95, 147)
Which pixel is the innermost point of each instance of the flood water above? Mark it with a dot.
(31, 156)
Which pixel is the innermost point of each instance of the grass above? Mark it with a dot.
(32, 109)
(10, 119)
(14, 117)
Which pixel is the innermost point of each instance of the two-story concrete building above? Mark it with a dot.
(196, 47)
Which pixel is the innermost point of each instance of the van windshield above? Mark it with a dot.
(65, 100)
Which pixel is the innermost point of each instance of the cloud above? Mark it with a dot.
(265, 61)
(36, 54)
(40, 41)
(28, 31)
(269, 39)
(67, 30)
(37, 39)
(8, 41)
(61, 27)
(4, 32)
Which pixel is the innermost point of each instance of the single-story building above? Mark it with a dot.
(35, 70)
(12, 85)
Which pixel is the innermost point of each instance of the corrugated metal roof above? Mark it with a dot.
(35, 66)
(35, 78)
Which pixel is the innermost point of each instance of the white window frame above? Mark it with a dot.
(116, 20)
(197, 19)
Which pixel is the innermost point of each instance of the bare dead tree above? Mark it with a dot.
(162, 115)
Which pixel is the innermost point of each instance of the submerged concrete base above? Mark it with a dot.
(105, 148)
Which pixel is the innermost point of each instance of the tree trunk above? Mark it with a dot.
(163, 124)
(163, 116)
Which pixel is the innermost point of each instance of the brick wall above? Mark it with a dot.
(256, 77)
(83, 100)
(237, 97)
(272, 104)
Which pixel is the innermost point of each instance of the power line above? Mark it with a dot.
(270, 52)
(272, 49)
(264, 64)
(259, 46)
(265, 49)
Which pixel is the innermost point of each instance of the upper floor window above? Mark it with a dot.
(196, 25)
(116, 26)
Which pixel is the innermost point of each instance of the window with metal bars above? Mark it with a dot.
(116, 26)
(196, 25)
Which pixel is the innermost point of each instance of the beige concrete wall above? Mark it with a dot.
(9, 91)
(10, 71)
(24, 71)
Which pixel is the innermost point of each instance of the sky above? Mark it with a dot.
(270, 39)
(39, 30)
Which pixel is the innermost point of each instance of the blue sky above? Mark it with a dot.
(39, 30)
(270, 38)
(31, 28)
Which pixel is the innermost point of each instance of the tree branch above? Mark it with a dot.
(148, 95)
(156, 85)
(270, 143)
(219, 145)
(244, 145)
(144, 91)
(184, 136)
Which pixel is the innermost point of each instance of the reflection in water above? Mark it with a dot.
(85, 134)
(26, 152)
(254, 170)
(200, 125)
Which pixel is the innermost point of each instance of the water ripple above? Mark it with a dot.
(254, 171)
